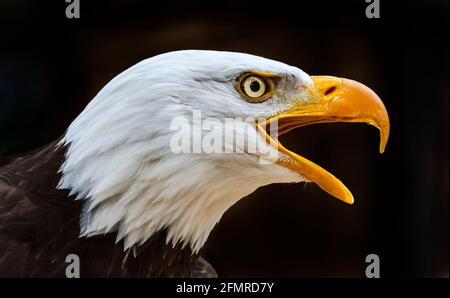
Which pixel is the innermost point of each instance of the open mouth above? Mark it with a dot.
(332, 100)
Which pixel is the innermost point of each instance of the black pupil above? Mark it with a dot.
(254, 86)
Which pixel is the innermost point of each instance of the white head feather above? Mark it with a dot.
(119, 159)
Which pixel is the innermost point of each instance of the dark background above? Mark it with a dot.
(51, 67)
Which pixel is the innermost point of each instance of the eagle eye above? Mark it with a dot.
(255, 88)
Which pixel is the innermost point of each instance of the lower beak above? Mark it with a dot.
(331, 99)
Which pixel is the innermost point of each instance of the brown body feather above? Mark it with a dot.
(39, 227)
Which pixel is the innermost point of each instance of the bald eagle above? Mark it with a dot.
(114, 192)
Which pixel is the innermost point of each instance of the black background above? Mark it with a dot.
(51, 66)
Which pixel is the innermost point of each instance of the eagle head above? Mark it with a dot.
(174, 141)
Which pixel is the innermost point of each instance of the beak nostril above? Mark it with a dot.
(330, 90)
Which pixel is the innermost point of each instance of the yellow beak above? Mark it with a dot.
(331, 99)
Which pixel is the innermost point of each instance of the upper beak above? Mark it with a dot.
(331, 99)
